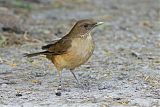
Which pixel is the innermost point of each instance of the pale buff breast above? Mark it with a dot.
(80, 51)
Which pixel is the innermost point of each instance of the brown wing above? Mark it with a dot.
(45, 47)
(60, 47)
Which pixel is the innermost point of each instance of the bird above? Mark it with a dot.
(72, 50)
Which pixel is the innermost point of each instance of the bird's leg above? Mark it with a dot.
(75, 77)
(59, 89)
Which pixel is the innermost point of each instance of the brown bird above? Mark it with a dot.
(72, 50)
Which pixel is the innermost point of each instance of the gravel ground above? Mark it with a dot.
(124, 70)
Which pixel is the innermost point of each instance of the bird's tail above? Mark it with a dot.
(35, 54)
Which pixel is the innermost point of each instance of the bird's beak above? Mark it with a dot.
(99, 23)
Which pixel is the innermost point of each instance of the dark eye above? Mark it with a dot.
(86, 26)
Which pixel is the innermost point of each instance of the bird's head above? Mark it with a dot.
(84, 27)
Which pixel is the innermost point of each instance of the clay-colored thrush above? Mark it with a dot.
(72, 50)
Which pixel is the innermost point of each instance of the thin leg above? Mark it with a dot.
(59, 89)
(75, 76)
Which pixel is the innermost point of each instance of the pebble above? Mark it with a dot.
(4, 85)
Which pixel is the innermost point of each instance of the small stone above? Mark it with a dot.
(4, 85)
(136, 54)
(58, 93)
(18, 94)
(117, 98)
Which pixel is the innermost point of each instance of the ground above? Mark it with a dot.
(123, 71)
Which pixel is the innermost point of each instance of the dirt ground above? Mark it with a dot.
(124, 70)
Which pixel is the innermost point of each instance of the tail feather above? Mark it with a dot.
(35, 54)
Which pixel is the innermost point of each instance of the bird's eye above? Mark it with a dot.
(85, 26)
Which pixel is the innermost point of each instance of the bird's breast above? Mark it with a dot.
(80, 51)
(82, 47)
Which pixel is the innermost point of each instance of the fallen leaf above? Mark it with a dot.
(36, 81)
(107, 52)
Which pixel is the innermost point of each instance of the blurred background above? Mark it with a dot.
(125, 67)
(44, 19)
